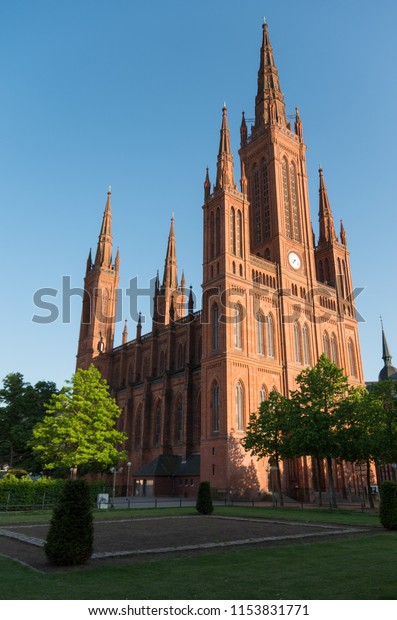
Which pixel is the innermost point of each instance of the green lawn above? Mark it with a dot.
(316, 515)
(360, 568)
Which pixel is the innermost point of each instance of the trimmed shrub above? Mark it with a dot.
(70, 538)
(388, 504)
(204, 501)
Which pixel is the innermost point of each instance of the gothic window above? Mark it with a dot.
(326, 347)
(215, 407)
(288, 230)
(259, 333)
(199, 349)
(215, 327)
(321, 271)
(306, 345)
(239, 407)
(297, 344)
(157, 425)
(294, 201)
(161, 362)
(239, 234)
(138, 427)
(341, 279)
(179, 420)
(352, 359)
(334, 349)
(327, 273)
(237, 326)
(257, 206)
(270, 336)
(267, 254)
(212, 235)
(262, 394)
(233, 231)
(180, 356)
(218, 232)
(266, 203)
(344, 276)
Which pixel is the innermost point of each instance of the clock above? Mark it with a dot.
(294, 260)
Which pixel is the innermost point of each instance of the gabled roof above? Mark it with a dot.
(171, 465)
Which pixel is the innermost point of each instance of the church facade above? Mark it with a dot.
(274, 299)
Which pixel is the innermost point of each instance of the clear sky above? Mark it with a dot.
(129, 94)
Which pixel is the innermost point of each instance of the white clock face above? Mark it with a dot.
(294, 260)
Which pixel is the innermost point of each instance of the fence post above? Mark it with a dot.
(8, 500)
(43, 501)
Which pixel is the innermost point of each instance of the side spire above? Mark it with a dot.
(103, 256)
(269, 101)
(326, 220)
(388, 371)
(225, 166)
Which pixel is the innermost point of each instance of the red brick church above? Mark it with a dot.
(275, 297)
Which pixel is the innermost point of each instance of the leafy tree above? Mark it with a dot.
(315, 408)
(70, 538)
(386, 437)
(267, 433)
(79, 429)
(22, 406)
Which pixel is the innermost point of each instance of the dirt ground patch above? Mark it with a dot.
(132, 539)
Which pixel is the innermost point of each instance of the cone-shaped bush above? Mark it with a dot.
(204, 500)
(71, 535)
(388, 504)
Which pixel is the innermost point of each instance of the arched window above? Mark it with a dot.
(257, 205)
(179, 420)
(239, 234)
(262, 394)
(270, 336)
(334, 349)
(215, 327)
(266, 203)
(212, 235)
(157, 425)
(287, 208)
(239, 407)
(237, 326)
(298, 354)
(233, 231)
(161, 362)
(259, 333)
(138, 427)
(306, 345)
(181, 356)
(218, 232)
(215, 407)
(294, 201)
(327, 273)
(352, 358)
(321, 271)
(326, 347)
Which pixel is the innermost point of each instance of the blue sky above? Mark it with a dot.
(129, 94)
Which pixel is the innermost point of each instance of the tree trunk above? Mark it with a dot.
(279, 489)
(331, 487)
(371, 499)
(319, 482)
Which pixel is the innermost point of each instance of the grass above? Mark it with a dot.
(360, 568)
(314, 515)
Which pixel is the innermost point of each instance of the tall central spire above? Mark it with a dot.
(170, 279)
(225, 166)
(103, 256)
(269, 101)
(326, 220)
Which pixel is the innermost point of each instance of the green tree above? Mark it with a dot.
(70, 538)
(267, 433)
(21, 407)
(358, 434)
(79, 429)
(315, 408)
(204, 503)
(386, 436)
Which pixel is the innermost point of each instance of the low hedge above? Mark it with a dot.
(388, 504)
(27, 494)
